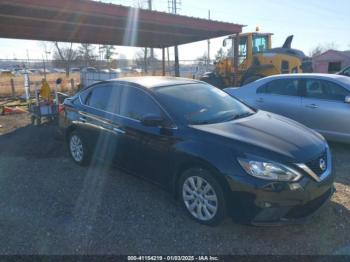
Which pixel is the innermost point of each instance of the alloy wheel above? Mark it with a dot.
(76, 148)
(200, 198)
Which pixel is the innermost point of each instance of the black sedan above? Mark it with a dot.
(214, 153)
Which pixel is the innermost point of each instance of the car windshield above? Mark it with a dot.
(345, 80)
(199, 104)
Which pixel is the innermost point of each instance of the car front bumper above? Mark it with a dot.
(274, 203)
(292, 214)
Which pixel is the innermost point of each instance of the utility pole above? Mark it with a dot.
(208, 60)
(27, 58)
(177, 65)
(152, 51)
(44, 66)
(167, 50)
(173, 7)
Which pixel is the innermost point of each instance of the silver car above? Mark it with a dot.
(319, 101)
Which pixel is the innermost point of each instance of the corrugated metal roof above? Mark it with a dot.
(86, 21)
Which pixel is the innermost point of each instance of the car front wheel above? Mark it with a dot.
(202, 196)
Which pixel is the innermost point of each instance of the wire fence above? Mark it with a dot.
(13, 71)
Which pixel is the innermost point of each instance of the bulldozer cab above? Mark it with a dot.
(249, 45)
(251, 57)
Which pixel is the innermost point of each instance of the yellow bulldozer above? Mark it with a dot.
(251, 57)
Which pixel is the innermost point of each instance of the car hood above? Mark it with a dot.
(271, 132)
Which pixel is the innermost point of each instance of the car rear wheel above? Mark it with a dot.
(202, 196)
(78, 149)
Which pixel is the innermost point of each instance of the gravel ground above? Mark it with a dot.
(51, 206)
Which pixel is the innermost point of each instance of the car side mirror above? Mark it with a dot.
(347, 99)
(152, 120)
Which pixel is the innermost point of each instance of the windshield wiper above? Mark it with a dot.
(231, 118)
(235, 117)
(201, 123)
(242, 115)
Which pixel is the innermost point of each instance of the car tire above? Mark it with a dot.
(78, 149)
(202, 196)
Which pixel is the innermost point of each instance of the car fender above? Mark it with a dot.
(202, 155)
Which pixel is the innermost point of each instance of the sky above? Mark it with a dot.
(312, 22)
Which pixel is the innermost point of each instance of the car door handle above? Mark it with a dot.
(118, 130)
(260, 100)
(82, 119)
(312, 106)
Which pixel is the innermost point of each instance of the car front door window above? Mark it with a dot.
(135, 103)
(280, 96)
(286, 87)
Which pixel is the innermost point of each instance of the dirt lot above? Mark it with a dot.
(51, 206)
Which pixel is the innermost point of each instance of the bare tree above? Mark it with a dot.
(142, 58)
(86, 54)
(108, 52)
(46, 47)
(66, 55)
(316, 51)
(321, 48)
(220, 54)
(122, 61)
(202, 59)
(46, 52)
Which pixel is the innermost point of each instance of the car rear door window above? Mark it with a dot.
(326, 90)
(135, 103)
(287, 87)
(105, 97)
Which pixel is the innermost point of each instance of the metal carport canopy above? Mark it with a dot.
(85, 21)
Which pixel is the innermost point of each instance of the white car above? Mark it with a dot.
(319, 101)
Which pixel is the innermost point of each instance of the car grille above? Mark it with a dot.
(314, 165)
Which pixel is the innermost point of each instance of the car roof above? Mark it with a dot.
(152, 82)
(317, 75)
(336, 78)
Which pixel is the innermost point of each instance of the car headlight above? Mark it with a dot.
(269, 170)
